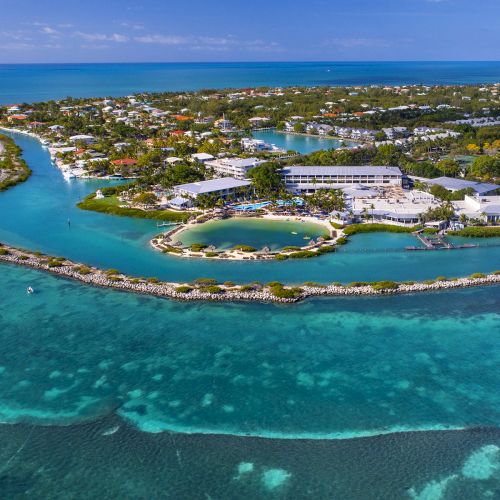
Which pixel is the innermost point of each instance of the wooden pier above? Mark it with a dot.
(437, 242)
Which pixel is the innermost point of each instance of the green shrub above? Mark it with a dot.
(152, 280)
(212, 289)
(356, 284)
(228, 283)
(374, 228)
(285, 293)
(429, 282)
(244, 248)
(247, 288)
(341, 241)
(441, 278)
(52, 262)
(4, 251)
(197, 247)
(384, 285)
(171, 249)
(478, 232)
(274, 283)
(477, 275)
(314, 284)
(326, 249)
(290, 249)
(183, 289)
(205, 281)
(335, 225)
(211, 254)
(83, 270)
(280, 256)
(112, 272)
(496, 272)
(303, 254)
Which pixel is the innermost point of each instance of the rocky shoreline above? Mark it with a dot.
(207, 291)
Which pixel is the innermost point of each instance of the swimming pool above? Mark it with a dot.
(282, 203)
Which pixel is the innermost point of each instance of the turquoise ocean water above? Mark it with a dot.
(115, 395)
(300, 143)
(39, 82)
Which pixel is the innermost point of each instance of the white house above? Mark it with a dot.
(233, 167)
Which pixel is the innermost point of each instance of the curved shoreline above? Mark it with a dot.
(164, 242)
(201, 292)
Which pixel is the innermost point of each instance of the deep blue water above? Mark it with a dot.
(38, 82)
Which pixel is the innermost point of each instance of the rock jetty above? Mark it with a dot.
(208, 290)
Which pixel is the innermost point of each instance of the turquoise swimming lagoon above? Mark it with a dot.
(258, 233)
(36, 217)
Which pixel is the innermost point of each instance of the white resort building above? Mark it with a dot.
(479, 207)
(223, 187)
(300, 180)
(234, 167)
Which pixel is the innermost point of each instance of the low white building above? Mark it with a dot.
(86, 139)
(233, 167)
(202, 157)
(223, 187)
(309, 179)
(479, 207)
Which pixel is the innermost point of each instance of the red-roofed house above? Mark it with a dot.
(124, 161)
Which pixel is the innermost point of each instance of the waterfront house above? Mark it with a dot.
(233, 167)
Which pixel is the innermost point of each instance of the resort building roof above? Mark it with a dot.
(211, 186)
(458, 184)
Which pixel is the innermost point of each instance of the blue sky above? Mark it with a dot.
(258, 30)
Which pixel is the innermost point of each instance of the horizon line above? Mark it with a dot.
(325, 61)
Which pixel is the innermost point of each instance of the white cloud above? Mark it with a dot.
(163, 39)
(210, 43)
(102, 37)
(356, 42)
(47, 30)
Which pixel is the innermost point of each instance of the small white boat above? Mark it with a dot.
(29, 290)
(68, 174)
(294, 232)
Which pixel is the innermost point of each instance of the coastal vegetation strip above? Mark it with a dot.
(208, 289)
(13, 169)
(478, 232)
(111, 205)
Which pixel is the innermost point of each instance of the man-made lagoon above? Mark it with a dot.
(37, 213)
(303, 144)
(258, 233)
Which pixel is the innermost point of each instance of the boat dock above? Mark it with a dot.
(437, 242)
